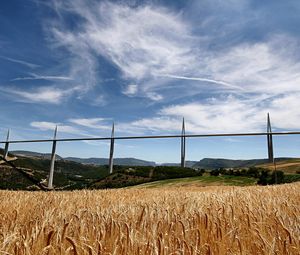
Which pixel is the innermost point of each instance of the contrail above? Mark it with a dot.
(28, 64)
(202, 79)
(41, 77)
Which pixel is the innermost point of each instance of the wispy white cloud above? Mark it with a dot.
(61, 128)
(215, 116)
(154, 96)
(263, 67)
(159, 124)
(151, 43)
(141, 42)
(232, 140)
(98, 100)
(223, 83)
(155, 48)
(226, 115)
(44, 125)
(98, 143)
(96, 123)
(286, 111)
(21, 62)
(222, 115)
(130, 90)
(50, 95)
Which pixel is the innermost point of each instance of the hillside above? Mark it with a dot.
(74, 175)
(117, 161)
(33, 154)
(205, 163)
(201, 181)
(123, 177)
(288, 166)
(11, 179)
(92, 161)
(213, 163)
(70, 174)
(67, 175)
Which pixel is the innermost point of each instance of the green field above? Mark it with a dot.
(202, 181)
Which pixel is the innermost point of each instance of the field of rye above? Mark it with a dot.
(187, 220)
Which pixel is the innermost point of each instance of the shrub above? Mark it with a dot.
(263, 178)
(215, 172)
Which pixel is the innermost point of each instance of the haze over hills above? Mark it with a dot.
(205, 163)
(188, 163)
(212, 163)
(117, 161)
(91, 161)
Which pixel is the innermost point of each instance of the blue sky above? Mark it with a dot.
(146, 64)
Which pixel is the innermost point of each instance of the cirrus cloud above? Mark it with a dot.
(51, 95)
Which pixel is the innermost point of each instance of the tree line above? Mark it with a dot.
(264, 176)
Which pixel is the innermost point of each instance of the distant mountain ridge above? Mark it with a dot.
(188, 163)
(91, 161)
(33, 154)
(213, 163)
(117, 161)
(205, 163)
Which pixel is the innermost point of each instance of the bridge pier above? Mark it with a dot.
(270, 140)
(6, 146)
(51, 172)
(183, 144)
(111, 151)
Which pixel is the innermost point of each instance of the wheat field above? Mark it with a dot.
(187, 220)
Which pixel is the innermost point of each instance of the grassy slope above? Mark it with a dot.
(202, 181)
(129, 176)
(289, 166)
